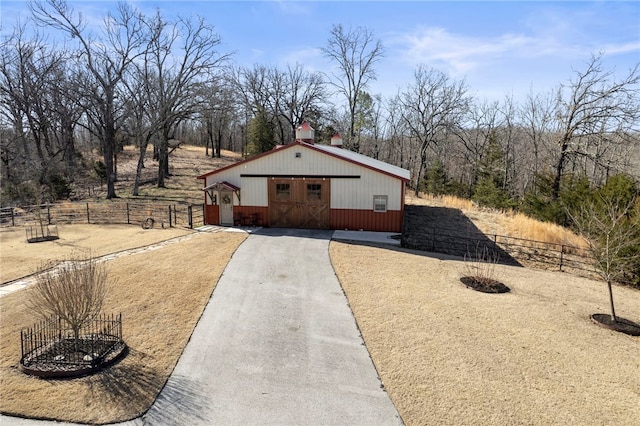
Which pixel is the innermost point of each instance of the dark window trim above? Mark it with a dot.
(301, 176)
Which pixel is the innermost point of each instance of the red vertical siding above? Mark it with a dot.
(212, 214)
(367, 220)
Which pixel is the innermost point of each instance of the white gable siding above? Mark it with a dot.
(255, 192)
(346, 193)
(358, 193)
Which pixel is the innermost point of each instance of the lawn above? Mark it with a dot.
(161, 294)
(450, 355)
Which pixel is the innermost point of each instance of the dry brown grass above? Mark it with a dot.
(522, 226)
(445, 201)
(19, 258)
(451, 355)
(161, 295)
(509, 223)
(186, 163)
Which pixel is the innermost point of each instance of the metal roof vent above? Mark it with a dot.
(305, 133)
(336, 140)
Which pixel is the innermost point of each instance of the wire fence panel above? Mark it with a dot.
(136, 213)
(510, 250)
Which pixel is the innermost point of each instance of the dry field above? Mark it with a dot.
(450, 355)
(161, 295)
(186, 163)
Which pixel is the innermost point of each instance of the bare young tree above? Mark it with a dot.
(610, 227)
(591, 109)
(217, 116)
(355, 52)
(74, 291)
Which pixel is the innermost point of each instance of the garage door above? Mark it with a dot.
(299, 203)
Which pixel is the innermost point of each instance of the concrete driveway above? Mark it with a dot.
(276, 345)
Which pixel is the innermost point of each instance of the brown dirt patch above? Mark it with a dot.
(161, 295)
(447, 355)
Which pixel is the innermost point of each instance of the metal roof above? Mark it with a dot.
(218, 186)
(334, 151)
(364, 160)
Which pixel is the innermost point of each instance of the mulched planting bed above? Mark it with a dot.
(622, 325)
(485, 286)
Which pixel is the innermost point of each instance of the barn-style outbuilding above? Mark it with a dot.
(307, 185)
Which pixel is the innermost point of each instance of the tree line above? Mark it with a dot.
(154, 81)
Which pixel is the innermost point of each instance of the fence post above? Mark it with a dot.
(170, 224)
(88, 217)
(175, 215)
(48, 214)
(204, 214)
(13, 216)
(561, 256)
(190, 214)
(128, 218)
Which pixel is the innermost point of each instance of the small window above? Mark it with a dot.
(283, 191)
(380, 203)
(314, 192)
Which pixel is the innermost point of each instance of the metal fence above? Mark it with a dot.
(511, 250)
(50, 341)
(163, 214)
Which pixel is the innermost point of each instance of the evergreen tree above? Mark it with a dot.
(261, 134)
(490, 190)
(435, 179)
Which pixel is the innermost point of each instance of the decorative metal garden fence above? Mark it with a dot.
(50, 345)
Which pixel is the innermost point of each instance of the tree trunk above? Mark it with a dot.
(613, 310)
(559, 169)
(143, 150)
(108, 163)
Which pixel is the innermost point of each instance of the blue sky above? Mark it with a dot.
(499, 47)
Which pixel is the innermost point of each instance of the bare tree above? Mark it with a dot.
(355, 52)
(536, 116)
(74, 291)
(302, 95)
(36, 96)
(592, 108)
(431, 105)
(180, 61)
(481, 123)
(610, 227)
(105, 61)
(218, 116)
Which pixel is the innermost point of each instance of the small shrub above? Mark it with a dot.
(480, 271)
